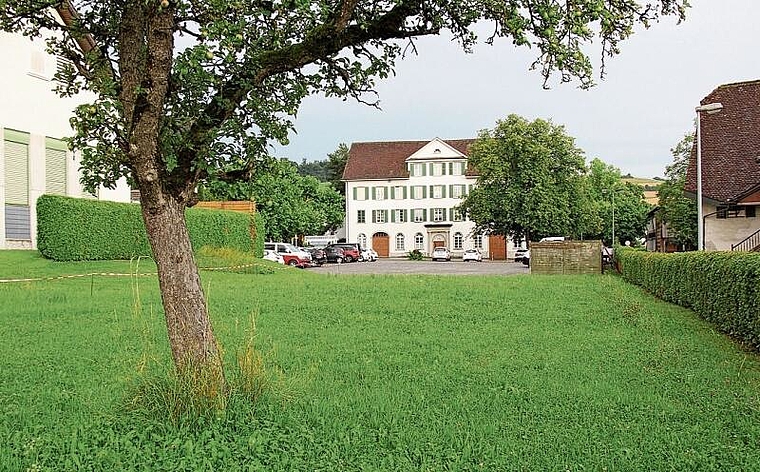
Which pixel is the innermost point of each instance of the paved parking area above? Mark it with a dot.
(404, 266)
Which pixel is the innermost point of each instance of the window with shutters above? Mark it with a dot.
(456, 214)
(17, 217)
(379, 193)
(419, 215)
(398, 192)
(456, 191)
(418, 192)
(439, 214)
(378, 216)
(437, 169)
(416, 170)
(457, 168)
(437, 191)
(360, 193)
(399, 216)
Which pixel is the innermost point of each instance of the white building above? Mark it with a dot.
(34, 159)
(402, 195)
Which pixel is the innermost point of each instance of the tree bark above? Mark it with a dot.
(190, 333)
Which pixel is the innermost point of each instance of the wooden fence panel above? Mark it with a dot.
(239, 206)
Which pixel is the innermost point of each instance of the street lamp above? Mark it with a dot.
(710, 108)
(613, 211)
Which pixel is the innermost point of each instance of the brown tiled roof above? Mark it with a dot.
(387, 160)
(730, 143)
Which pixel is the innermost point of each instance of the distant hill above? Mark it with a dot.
(650, 188)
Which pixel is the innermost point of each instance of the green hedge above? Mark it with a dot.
(721, 287)
(74, 229)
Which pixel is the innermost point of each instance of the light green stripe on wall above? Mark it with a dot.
(16, 136)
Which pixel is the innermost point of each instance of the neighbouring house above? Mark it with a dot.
(730, 156)
(658, 237)
(403, 195)
(34, 158)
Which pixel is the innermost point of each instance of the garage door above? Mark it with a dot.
(381, 244)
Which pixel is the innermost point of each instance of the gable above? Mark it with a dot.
(387, 160)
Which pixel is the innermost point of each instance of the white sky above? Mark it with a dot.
(630, 120)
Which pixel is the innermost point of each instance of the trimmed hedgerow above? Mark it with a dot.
(73, 229)
(721, 287)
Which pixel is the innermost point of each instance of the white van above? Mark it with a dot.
(552, 239)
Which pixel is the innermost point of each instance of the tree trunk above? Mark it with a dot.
(191, 337)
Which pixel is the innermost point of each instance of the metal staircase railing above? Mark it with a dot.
(750, 243)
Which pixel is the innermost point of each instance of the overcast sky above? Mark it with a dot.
(631, 119)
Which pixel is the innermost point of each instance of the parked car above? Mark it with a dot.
(519, 254)
(369, 255)
(334, 254)
(526, 258)
(351, 251)
(273, 256)
(552, 239)
(318, 255)
(291, 254)
(472, 255)
(441, 253)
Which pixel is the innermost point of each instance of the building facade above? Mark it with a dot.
(34, 158)
(403, 195)
(730, 168)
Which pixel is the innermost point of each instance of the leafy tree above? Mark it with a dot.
(187, 90)
(317, 169)
(529, 180)
(336, 164)
(678, 211)
(607, 189)
(291, 205)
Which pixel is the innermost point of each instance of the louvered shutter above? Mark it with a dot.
(55, 167)
(16, 173)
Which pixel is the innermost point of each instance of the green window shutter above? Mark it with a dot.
(406, 215)
(451, 168)
(393, 193)
(424, 191)
(354, 193)
(424, 168)
(393, 216)
(443, 191)
(373, 193)
(16, 173)
(404, 189)
(464, 190)
(385, 214)
(451, 214)
(431, 192)
(374, 216)
(424, 214)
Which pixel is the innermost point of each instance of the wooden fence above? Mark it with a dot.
(241, 206)
(566, 257)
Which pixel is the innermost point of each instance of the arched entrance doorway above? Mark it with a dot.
(381, 244)
(439, 240)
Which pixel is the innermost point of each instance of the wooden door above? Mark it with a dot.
(381, 244)
(497, 247)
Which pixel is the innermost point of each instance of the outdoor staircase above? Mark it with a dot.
(750, 243)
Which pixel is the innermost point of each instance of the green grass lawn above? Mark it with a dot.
(377, 373)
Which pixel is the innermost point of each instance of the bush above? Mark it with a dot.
(74, 229)
(415, 255)
(721, 287)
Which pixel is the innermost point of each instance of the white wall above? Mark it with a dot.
(720, 234)
(29, 105)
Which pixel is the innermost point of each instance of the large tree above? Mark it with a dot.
(290, 204)
(186, 87)
(679, 212)
(530, 181)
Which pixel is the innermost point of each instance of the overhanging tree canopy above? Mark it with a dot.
(187, 89)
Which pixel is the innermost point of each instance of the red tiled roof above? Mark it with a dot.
(387, 160)
(730, 143)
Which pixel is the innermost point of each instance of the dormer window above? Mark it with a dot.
(437, 151)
